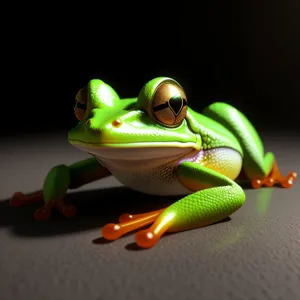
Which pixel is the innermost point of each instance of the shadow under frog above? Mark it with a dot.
(95, 209)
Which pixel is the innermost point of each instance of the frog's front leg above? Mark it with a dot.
(215, 197)
(56, 184)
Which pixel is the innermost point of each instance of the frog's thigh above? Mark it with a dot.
(255, 164)
(204, 206)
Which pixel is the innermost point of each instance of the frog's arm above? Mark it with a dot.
(259, 167)
(215, 197)
(56, 184)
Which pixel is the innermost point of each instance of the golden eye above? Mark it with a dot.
(169, 104)
(81, 103)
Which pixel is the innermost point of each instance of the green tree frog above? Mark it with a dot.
(157, 145)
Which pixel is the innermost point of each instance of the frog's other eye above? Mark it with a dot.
(81, 103)
(169, 104)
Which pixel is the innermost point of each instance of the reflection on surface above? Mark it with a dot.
(263, 200)
(238, 231)
(230, 237)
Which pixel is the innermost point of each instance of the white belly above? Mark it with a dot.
(143, 176)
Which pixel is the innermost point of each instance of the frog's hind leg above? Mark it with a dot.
(260, 168)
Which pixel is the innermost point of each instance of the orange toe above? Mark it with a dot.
(111, 231)
(66, 210)
(256, 183)
(19, 199)
(146, 238)
(289, 180)
(275, 178)
(125, 218)
(43, 214)
(16, 199)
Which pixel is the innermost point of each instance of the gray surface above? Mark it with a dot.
(255, 255)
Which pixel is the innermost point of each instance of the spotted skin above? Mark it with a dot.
(226, 161)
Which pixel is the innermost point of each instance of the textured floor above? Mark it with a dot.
(255, 255)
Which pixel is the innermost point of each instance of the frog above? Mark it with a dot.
(158, 145)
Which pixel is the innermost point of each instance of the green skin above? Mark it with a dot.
(211, 195)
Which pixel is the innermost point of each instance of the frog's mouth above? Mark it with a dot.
(135, 152)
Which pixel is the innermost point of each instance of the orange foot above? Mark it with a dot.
(128, 223)
(275, 178)
(43, 213)
(19, 199)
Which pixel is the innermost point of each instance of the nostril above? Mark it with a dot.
(89, 126)
(116, 123)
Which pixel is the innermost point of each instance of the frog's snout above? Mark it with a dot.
(115, 123)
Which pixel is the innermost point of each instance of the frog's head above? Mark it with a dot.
(154, 125)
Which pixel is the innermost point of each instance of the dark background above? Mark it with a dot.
(246, 53)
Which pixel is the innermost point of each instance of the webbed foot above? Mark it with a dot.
(44, 213)
(275, 178)
(129, 223)
(19, 199)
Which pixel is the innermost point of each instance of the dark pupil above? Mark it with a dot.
(175, 103)
(81, 105)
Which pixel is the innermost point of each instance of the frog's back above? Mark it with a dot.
(212, 133)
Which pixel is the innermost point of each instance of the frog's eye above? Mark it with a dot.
(81, 103)
(169, 104)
